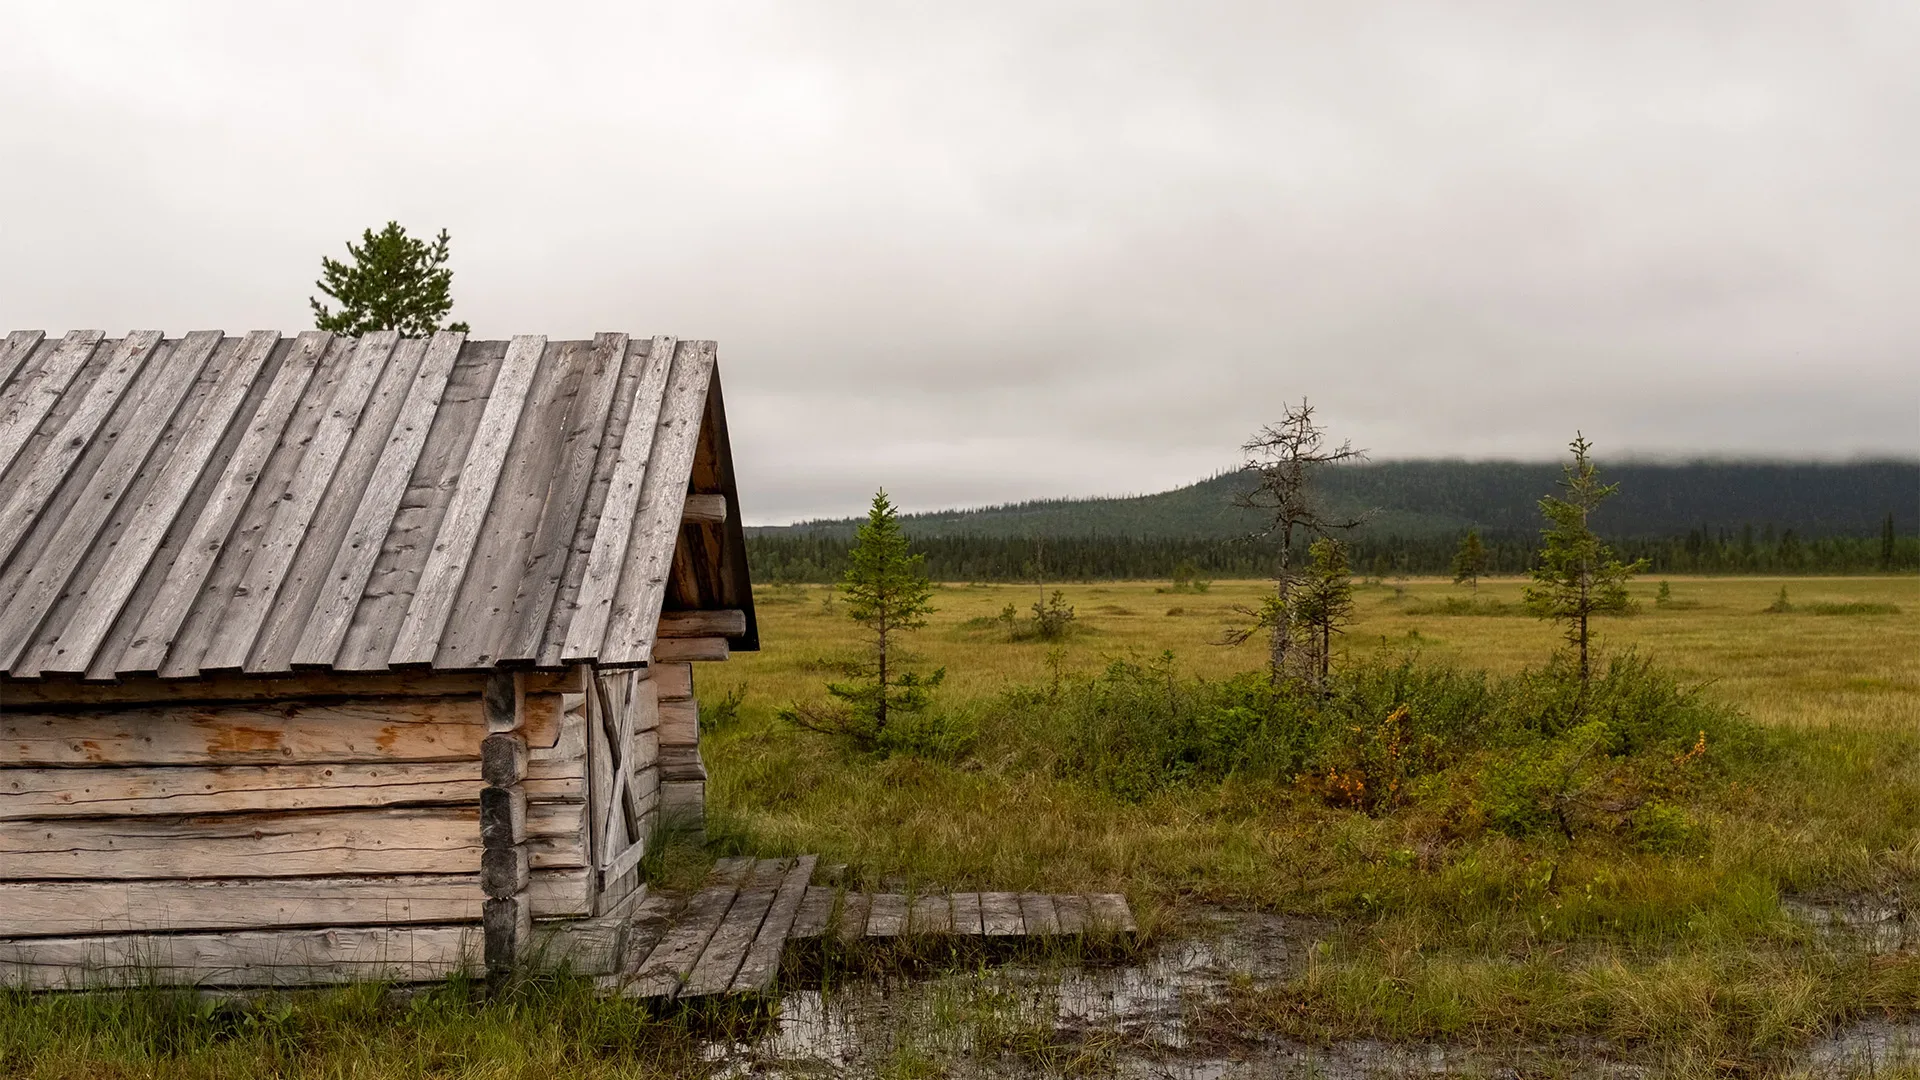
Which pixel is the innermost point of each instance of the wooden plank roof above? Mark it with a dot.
(264, 504)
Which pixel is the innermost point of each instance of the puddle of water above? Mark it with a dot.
(1882, 926)
(1865, 1049)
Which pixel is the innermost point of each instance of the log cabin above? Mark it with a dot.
(328, 658)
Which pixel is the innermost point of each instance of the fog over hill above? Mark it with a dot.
(1416, 498)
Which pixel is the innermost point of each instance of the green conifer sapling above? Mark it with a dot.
(1578, 575)
(394, 282)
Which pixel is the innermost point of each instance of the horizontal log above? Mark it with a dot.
(386, 841)
(309, 686)
(674, 681)
(52, 908)
(380, 729)
(729, 622)
(679, 723)
(220, 789)
(242, 958)
(676, 650)
(704, 510)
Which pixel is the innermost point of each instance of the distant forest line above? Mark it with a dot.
(819, 558)
(1693, 517)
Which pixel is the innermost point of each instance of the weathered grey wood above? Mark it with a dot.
(562, 891)
(679, 723)
(629, 635)
(886, 915)
(679, 650)
(696, 624)
(185, 577)
(503, 759)
(110, 587)
(15, 351)
(1073, 913)
(242, 958)
(1000, 915)
(400, 729)
(509, 931)
(648, 923)
(503, 816)
(1110, 913)
(816, 912)
(593, 605)
(579, 946)
(668, 965)
(39, 390)
(851, 923)
(675, 681)
(383, 841)
(768, 871)
(733, 869)
(243, 617)
(762, 960)
(137, 690)
(966, 914)
(220, 789)
(704, 510)
(932, 913)
(133, 438)
(346, 579)
(48, 469)
(585, 431)
(53, 908)
(439, 585)
(713, 973)
(506, 872)
(1036, 910)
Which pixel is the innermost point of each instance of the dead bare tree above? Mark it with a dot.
(1283, 458)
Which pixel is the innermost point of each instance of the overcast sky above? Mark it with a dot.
(981, 252)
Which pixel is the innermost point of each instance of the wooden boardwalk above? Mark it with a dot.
(728, 938)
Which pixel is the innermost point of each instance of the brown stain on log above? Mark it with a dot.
(239, 739)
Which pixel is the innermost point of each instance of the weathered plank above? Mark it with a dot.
(384, 841)
(647, 924)
(15, 351)
(1073, 912)
(886, 915)
(679, 723)
(966, 913)
(216, 689)
(439, 584)
(38, 390)
(48, 469)
(234, 641)
(649, 562)
(219, 789)
(395, 729)
(1000, 915)
(353, 563)
(51, 908)
(713, 973)
(684, 649)
(164, 616)
(732, 869)
(704, 510)
(816, 912)
(242, 958)
(852, 922)
(579, 946)
(695, 624)
(560, 520)
(498, 563)
(762, 961)
(1036, 910)
(593, 605)
(668, 965)
(108, 590)
(565, 891)
(131, 440)
(1110, 913)
(932, 913)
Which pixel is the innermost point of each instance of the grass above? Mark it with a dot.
(1440, 923)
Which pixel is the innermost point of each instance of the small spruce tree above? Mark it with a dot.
(1888, 541)
(1323, 604)
(394, 282)
(1470, 561)
(885, 590)
(1578, 575)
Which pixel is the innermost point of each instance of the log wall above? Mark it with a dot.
(246, 837)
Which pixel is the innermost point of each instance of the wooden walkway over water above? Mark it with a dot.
(729, 937)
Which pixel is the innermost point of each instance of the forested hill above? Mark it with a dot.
(1423, 498)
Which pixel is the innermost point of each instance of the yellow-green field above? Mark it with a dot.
(1858, 671)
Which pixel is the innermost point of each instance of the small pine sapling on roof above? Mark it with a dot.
(394, 282)
(1578, 575)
